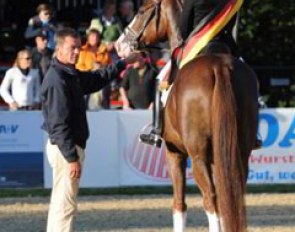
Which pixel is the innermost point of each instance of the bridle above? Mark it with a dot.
(132, 37)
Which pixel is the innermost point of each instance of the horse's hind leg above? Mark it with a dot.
(203, 176)
(176, 163)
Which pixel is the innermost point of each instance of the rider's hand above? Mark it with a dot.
(75, 170)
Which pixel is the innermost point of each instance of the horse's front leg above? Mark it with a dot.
(176, 164)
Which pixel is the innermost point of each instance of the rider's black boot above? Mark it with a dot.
(154, 137)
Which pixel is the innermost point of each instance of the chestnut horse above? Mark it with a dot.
(210, 116)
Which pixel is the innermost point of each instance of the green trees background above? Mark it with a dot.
(267, 32)
(266, 39)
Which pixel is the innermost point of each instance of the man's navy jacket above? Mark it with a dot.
(63, 104)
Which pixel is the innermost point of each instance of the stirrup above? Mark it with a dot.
(151, 139)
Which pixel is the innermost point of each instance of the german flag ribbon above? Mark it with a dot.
(200, 38)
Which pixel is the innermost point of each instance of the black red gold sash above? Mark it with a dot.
(200, 38)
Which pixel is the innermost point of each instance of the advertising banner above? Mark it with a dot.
(140, 163)
(21, 149)
(275, 162)
(115, 157)
(101, 165)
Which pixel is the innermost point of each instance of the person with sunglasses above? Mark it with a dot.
(43, 21)
(21, 84)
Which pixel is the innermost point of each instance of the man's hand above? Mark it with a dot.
(13, 106)
(75, 170)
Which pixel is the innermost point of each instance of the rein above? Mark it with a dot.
(133, 37)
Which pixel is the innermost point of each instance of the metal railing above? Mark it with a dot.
(277, 85)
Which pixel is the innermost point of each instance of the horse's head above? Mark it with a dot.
(155, 21)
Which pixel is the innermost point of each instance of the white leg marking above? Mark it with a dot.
(179, 221)
(214, 222)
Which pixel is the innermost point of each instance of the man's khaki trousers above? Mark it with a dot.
(63, 203)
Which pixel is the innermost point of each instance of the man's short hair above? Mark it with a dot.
(44, 7)
(61, 34)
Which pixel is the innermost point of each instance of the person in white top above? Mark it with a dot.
(21, 84)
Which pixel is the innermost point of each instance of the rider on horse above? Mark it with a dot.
(201, 22)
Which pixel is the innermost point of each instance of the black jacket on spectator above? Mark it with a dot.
(41, 60)
(36, 27)
(140, 88)
(64, 110)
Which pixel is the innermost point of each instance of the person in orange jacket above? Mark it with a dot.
(94, 55)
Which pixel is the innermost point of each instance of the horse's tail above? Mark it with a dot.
(228, 173)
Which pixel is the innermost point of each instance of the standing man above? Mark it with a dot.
(64, 111)
(137, 88)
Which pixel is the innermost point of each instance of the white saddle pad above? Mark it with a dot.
(165, 95)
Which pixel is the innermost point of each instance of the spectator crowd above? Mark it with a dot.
(134, 90)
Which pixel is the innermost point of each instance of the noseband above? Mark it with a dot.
(132, 37)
